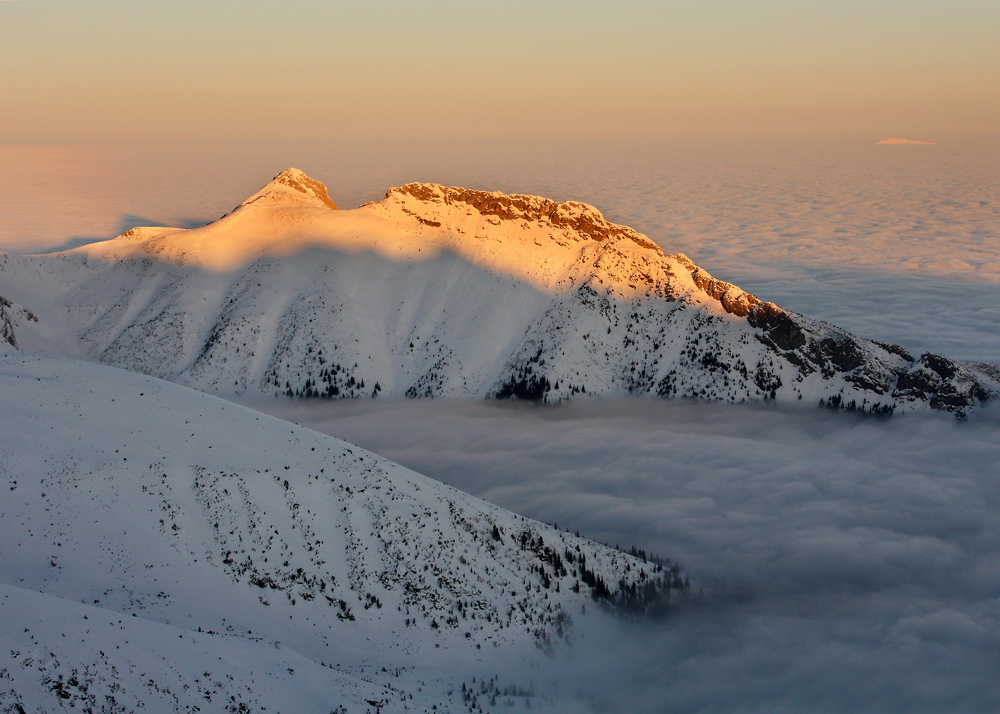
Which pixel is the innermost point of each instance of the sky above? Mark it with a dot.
(298, 69)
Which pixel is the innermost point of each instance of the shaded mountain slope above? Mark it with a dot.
(172, 514)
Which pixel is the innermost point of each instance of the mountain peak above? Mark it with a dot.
(298, 181)
(482, 294)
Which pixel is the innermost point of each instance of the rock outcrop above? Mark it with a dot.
(295, 179)
(581, 218)
(12, 314)
(6, 326)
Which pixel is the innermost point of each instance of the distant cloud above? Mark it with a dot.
(903, 141)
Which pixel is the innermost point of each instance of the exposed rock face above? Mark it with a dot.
(293, 178)
(781, 332)
(876, 368)
(947, 384)
(11, 316)
(6, 326)
(451, 292)
(581, 218)
(734, 300)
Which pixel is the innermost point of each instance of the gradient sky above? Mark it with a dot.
(303, 69)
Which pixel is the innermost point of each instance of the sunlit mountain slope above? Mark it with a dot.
(449, 292)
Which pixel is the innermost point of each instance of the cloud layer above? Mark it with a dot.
(848, 563)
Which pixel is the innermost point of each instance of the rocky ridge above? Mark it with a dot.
(580, 218)
(448, 292)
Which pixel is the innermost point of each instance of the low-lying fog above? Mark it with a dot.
(849, 564)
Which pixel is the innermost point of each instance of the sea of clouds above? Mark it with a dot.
(848, 564)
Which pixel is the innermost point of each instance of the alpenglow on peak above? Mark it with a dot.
(438, 291)
(299, 181)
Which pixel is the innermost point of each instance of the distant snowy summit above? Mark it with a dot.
(905, 141)
(450, 292)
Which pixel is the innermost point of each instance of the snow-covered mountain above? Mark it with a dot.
(165, 550)
(438, 291)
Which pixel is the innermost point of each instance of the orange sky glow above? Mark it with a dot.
(303, 70)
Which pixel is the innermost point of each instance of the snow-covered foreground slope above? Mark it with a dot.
(439, 291)
(60, 654)
(162, 546)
